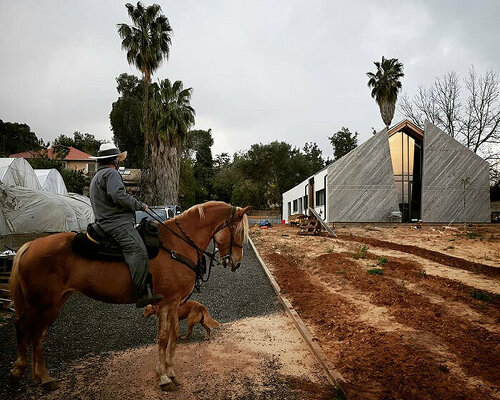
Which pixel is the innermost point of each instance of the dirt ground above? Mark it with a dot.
(401, 313)
(253, 358)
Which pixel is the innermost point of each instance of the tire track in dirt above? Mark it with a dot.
(471, 341)
(380, 363)
(431, 255)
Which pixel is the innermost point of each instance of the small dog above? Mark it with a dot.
(193, 311)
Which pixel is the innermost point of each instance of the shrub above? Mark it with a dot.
(363, 250)
(382, 260)
(481, 295)
(375, 271)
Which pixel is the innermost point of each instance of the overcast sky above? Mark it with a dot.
(261, 70)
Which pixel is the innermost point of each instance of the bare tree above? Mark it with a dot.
(476, 122)
(480, 125)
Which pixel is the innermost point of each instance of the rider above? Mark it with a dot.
(114, 212)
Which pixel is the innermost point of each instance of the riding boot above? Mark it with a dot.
(149, 298)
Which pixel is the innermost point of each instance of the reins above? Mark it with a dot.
(200, 253)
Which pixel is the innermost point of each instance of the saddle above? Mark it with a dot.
(94, 244)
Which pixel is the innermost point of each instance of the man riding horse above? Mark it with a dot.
(114, 212)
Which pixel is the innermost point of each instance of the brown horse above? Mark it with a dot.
(46, 272)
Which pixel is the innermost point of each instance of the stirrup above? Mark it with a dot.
(149, 298)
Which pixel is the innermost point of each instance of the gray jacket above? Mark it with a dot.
(111, 204)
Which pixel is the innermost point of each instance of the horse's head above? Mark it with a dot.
(230, 236)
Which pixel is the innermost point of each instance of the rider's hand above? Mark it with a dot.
(147, 208)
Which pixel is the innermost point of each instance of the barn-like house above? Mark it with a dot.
(404, 174)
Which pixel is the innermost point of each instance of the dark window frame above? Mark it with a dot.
(320, 197)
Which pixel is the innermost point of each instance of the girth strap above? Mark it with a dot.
(182, 259)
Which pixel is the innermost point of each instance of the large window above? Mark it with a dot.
(406, 155)
(301, 210)
(320, 197)
(294, 206)
(289, 208)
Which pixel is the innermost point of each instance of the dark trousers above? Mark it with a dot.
(135, 253)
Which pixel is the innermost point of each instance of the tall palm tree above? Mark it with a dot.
(386, 84)
(172, 117)
(147, 42)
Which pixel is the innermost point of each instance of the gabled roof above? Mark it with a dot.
(73, 154)
(408, 127)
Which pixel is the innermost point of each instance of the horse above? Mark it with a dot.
(46, 272)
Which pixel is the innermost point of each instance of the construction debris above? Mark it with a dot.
(314, 225)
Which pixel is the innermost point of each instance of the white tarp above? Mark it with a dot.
(51, 180)
(18, 172)
(24, 210)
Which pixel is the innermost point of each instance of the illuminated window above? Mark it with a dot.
(406, 155)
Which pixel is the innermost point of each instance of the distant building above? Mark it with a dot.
(404, 174)
(74, 160)
(131, 179)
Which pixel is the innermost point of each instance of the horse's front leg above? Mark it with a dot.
(172, 343)
(166, 316)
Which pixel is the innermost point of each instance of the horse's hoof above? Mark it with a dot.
(50, 386)
(167, 387)
(14, 380)
(166, 384)
(175, 381)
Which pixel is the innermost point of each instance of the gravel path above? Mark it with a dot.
(89, 328)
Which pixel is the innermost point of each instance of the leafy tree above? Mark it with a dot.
(16, 138)
(343, 142)
(187, 184)
(223, 180)
(147, 42)
(273, 169)
(172, 117)
(247, 192)
(313, 157)
(84, 142)
(125, 118)
(201, 142)
(386, 84)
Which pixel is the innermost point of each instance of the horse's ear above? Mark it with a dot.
(246, 210)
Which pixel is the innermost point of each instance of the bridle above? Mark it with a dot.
(200, 266)
(229, 223)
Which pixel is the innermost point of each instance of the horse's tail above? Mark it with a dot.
(16, 290)
(209, 321)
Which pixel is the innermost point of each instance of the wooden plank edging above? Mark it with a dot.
(333, 375)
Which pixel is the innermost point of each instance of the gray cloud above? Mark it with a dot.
(285, 70)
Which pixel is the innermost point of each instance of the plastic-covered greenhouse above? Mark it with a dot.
(25, 208)
(18, 172)
(51, 180)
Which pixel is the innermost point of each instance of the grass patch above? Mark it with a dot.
(481, 295)
(422, 273)
(474, 235)
(342, 272)
(449, 248)
(363, 250)
(375, 271)
(382, 260)
(330, 250)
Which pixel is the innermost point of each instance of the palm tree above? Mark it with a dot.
(172, 117)
(386, 84)
(147, 42)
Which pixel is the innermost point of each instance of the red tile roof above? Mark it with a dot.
(73, 154)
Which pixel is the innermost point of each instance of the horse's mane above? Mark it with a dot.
(241, 229)
(200, 209)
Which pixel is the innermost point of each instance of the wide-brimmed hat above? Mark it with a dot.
(109, 150)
